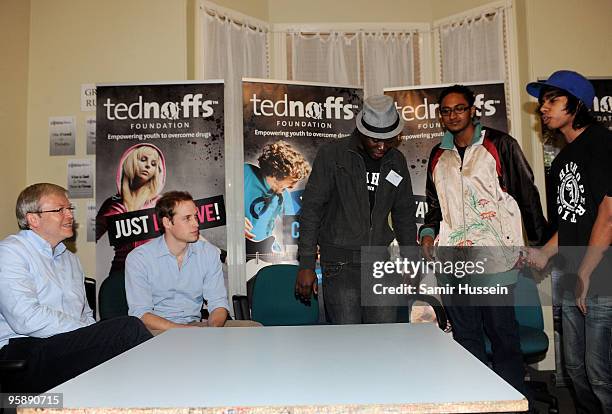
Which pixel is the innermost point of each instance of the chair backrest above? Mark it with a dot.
(527, 308)
(90, 293)
(274, 302)
(528, 314)
(112, 299)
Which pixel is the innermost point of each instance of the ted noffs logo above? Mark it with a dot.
(429, 110)
(191, 106)
(333, 108)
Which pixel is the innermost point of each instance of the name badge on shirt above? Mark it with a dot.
(394, 178)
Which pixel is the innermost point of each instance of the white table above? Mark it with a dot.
(353, 368)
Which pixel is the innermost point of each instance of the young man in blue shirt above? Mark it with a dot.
(168, 279)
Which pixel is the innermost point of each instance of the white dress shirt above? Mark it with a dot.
(42, 291)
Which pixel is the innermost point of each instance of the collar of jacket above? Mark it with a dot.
(353, 145)
(448, 140)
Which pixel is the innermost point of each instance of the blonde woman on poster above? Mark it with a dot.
(140, 179)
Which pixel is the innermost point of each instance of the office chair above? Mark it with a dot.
(8, 367)
(112, 299)
(90, 293)
(534, 342)
(271, 299)
(437, 307)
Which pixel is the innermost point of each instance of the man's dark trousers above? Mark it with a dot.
(343, 300)
(54, 360)
(473, 316)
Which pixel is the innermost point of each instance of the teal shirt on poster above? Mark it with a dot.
(262, 206)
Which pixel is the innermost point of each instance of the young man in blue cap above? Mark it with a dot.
(582, 174)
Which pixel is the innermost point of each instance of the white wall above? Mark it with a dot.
(346, 11)
(86, 41)
(15, 32)
(444, 8)
(256, 8)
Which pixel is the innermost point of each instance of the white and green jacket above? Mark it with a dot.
(478, 201)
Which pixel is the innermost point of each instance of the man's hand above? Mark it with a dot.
(306, 284)
(427, 246)
(537, 258)
(217, 317)
(248, 226)
(159, 324)
(581, 290)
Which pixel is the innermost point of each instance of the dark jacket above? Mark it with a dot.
(512, 170)
(336, 209)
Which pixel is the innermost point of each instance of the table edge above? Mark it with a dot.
(449, 407)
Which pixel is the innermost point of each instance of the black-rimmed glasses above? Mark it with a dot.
(61, 210)
(458, 110)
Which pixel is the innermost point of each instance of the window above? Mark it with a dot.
(370, 56)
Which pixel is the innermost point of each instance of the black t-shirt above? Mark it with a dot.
(461, 151)
(582, 176)
(372, 176)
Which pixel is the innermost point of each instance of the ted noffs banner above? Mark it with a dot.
(285, 123)
(418, 105)
(151, 139)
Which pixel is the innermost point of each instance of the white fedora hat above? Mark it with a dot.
(379, 119)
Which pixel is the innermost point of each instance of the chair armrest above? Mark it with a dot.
(241, 307)
(436, 306)
(90, 293)
(11, 365)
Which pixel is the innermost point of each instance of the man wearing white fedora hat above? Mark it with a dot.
(355, 184)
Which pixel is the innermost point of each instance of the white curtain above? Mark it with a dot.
(330, 58)
(232, 50)
(374, 60)
(473, 50)
(388, 60)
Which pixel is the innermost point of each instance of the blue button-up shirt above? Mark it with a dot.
(42, 291)
(155, 284)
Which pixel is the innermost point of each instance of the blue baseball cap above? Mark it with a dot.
(571, 82)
